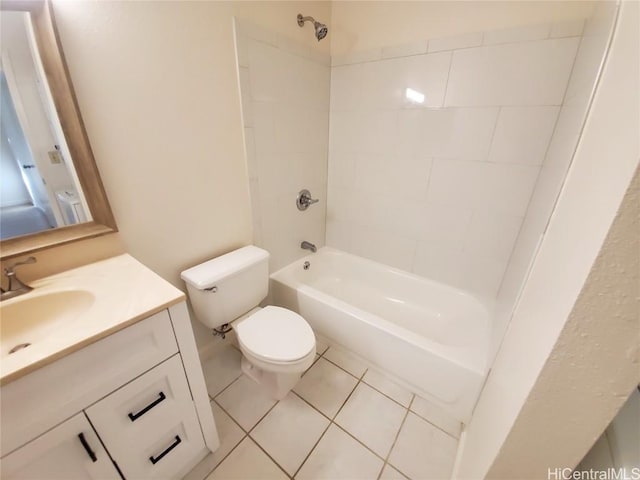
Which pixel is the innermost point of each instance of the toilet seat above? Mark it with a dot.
(276, 335)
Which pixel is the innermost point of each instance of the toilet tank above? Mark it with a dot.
(226, 287)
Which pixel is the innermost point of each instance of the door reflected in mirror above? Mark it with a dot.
(38, 186)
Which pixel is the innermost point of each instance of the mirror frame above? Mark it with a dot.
(66, 104)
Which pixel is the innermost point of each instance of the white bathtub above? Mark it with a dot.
(431, 336)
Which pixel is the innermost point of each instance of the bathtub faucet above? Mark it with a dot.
(308, 246)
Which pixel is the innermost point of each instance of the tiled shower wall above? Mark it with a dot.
(557, 161)
(285, 108)
(441, 188)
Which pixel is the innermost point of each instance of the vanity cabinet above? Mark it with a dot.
(132, 405)
(69, 451)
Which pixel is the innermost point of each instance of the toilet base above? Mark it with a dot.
(276, 385)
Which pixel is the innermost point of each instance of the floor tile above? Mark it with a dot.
(437, 416)
(372, 418)
(321, 344)
(229, 432)
(383, 384)
(221, 369)
(290, 431)
(247, 461)
(326, 387)
(346, 360)
(422, 451)
(338, 457)
(230, 435)
(245, 401)
(390, 473)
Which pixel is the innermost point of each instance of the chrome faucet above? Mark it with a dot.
(308, 246)
(16, 287)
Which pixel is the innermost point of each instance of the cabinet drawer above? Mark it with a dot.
(48, 396)
(150, 425)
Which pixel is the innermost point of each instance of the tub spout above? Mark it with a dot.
(308, 246)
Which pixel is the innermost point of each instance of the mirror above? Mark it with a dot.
(51, 191)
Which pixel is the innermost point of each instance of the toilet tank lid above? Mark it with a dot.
(207, 274)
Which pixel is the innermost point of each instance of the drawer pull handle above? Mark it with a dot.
(134, 416)
(85, 444)
(175, 443)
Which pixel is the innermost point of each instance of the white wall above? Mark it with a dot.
(594, 359)
(157, 86)
(285, 98)
(30, 108)
(12, 188)
(362, 25)
(441, 188)
(558, 157)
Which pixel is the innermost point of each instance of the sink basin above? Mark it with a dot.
(34, 317)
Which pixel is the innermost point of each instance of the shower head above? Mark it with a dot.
(321, 28)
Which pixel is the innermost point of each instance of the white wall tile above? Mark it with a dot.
(342, 169)
(455, 42)
(523, 134)
(405, 50)
(346, 84)
(384, 83)
(519, 34)
(345, 131)
(482, 185)
(492, 235)
(442, 132)
(287, 144)
(356, 57)
(443, 225)
(385, 247)
(403, 177)
(264, 128)
(571, 28)
(377, 132)
(528, 73)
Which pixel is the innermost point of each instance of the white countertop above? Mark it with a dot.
(125, 292)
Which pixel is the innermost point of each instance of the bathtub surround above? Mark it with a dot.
(573, 339)
(440, 188)
(573, 111)
(285, 112)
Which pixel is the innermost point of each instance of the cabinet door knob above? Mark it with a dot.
(85, 444)
(135, 416)
(175, 443)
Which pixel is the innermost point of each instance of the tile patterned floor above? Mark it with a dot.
(342, 421)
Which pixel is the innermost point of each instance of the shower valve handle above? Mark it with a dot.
(303, 200)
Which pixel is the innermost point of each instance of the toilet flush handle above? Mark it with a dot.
(213, 289)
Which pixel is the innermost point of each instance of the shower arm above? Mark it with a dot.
(302, 19)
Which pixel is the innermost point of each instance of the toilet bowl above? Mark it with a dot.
(277, 347)
(277, 344)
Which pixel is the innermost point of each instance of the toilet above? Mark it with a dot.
(277, 344)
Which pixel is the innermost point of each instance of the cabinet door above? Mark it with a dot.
(150, 425)
(71, 450)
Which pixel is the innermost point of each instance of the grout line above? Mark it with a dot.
(225, 388)
(270, 457)
(312, 449)
(247, 433)
(493, 136)
(382, 393)
(346, 371)
(231, 417)
(446, 85)
(386, 460)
